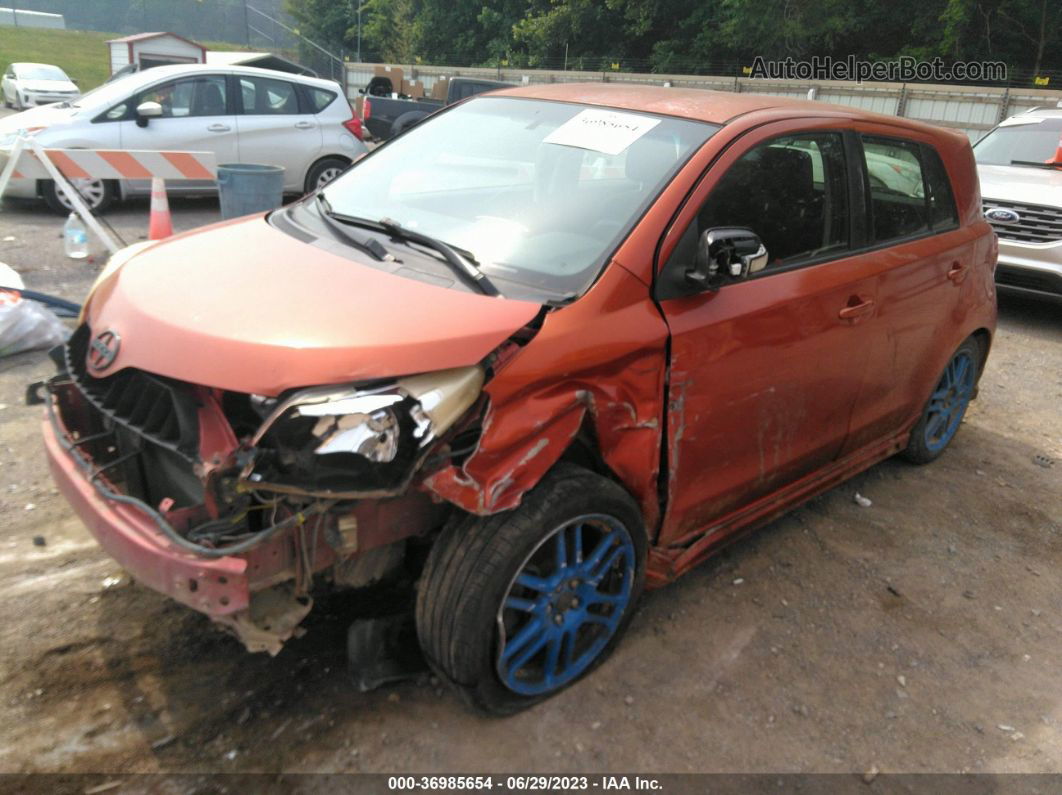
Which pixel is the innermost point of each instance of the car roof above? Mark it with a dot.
(1047, 113)
(32, 63)
(145, 76)
(716, 107)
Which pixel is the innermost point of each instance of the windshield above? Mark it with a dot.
(540, 193)
(1034, 142)
(35, 71)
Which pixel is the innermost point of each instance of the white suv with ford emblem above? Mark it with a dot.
(1020, 167)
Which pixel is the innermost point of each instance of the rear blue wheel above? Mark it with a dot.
(946, 407)
(949, 401)
(565, 604)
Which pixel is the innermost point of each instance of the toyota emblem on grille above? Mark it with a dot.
(1002, 215)
(103, 350)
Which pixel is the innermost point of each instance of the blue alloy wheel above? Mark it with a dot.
(564, 604)
(949, 401)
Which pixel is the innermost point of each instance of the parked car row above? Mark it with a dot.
(551, 345)
(241, 114)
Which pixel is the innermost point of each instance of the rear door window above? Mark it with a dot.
(897, 194)
(262, 96)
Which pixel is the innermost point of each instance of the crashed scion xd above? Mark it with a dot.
(550, 346)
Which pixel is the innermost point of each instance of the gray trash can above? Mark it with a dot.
(246, 188)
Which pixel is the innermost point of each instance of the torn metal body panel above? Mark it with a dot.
(598, 363)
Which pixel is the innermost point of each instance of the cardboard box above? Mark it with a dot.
(413, 88)
(395, 73)
(440, 88)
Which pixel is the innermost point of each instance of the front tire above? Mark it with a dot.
(98, 194)
(946, 407)
(515, 607)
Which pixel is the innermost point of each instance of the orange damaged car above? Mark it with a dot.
(552, 346)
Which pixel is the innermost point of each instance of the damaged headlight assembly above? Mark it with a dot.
(356, 442)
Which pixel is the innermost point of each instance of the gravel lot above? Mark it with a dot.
(921, 633)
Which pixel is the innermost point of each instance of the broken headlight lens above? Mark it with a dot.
(356, 442)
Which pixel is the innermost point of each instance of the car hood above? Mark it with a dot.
(46, 85)
(243, 306)
(1021, 184)
(36, 118)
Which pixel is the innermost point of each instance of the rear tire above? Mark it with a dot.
(507, 617)
(98, 194)
(324, 171)
(407, 121)
(946, 407)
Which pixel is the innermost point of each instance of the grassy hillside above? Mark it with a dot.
(81, 54)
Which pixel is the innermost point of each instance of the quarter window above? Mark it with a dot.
(897, 190)
(321, 99)
(942, 212)
(263, 96)
(791, 191)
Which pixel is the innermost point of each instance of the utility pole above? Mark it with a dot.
(358, 12)
(246, 25)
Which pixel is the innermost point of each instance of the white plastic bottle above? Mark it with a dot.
(75, 238)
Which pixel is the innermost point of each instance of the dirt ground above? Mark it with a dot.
(921, 633)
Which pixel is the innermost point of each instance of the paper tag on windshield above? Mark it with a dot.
(602, 131)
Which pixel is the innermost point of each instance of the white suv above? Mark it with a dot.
(1020, 167)
(242, 114)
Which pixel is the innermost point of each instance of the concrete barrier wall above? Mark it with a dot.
(972, 109)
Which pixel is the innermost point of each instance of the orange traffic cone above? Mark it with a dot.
(160, 225)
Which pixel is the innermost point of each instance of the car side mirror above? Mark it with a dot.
(361, 90)
(726, 253)
(147, 110)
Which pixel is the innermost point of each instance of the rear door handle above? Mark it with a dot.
(957, 272)
(304, 125)
(219, 128)
(857, 308)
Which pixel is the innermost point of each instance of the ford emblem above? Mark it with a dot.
(1002, 215)
(103, 350)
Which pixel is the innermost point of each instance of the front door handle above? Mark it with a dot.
(957, 272)
(857, 307)
(219, 128)
(304, 125)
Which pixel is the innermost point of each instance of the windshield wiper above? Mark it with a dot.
(1035, 164)
(458, 259)
(337, 223)
(461, 261)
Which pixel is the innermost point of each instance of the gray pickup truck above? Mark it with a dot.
(385, 117)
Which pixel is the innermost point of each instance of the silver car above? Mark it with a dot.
(241, 114)
(1020, 167)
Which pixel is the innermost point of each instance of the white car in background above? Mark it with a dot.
(241, 114)
(28, 84)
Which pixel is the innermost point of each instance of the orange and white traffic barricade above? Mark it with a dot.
(27, 159)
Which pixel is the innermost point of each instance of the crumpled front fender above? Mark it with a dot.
(601, 361)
